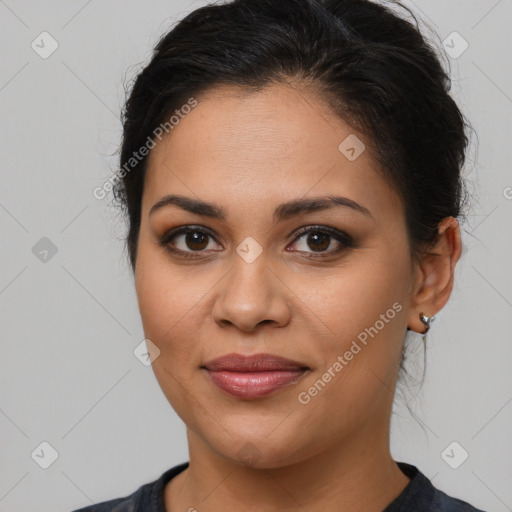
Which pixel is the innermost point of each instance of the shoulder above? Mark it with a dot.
(444, 503)
(147, 498)
(421, 496)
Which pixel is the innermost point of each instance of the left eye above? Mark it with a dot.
(320, 239)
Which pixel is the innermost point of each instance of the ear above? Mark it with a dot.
(435, 274)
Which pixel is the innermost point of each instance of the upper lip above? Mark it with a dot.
(253, 363)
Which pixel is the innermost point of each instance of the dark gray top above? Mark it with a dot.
(418, 496)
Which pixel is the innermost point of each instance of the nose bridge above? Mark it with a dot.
(251, 293)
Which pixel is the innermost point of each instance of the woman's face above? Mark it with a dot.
(248, 283)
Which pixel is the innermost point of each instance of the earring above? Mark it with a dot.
(426, 321)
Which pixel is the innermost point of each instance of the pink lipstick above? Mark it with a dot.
(253, 376)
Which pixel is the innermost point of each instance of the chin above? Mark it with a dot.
(262, 452)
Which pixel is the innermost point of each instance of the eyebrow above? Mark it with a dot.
(283, 211)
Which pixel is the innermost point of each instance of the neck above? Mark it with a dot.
(355, 476)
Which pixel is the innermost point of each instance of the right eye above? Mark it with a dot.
(187, 240)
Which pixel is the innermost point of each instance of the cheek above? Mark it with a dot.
(359, 311)
(352, 297)
(169, 302)
(170, 305)
(168, 296)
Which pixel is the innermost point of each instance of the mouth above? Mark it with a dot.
(255, 376)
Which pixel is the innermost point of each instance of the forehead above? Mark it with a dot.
(240, 148)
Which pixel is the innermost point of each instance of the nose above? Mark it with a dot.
(250, 295)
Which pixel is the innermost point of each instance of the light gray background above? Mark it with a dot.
(69, 326)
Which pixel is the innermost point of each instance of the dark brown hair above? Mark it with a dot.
(373, 67)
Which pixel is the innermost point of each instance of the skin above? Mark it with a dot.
(248, 152)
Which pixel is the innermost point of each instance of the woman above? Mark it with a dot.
(291, 173)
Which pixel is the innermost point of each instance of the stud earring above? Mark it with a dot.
(426, 321)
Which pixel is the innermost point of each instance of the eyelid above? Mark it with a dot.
(335, 233)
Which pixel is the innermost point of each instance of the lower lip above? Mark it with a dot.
(254, 384)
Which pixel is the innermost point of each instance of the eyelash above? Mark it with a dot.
(345, 240)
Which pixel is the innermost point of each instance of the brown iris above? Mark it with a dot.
(196, 240)
(320, 241)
